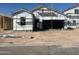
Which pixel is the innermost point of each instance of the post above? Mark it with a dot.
(3, 22)
(40, 25)
(51, 16)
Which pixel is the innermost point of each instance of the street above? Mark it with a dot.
(38, 50)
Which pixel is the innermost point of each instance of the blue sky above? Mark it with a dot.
(9, 8)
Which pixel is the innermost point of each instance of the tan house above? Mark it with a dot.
(5, 22)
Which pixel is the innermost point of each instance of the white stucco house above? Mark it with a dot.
(42, 18)
(48, 18)
(73, 16)
(22, 20)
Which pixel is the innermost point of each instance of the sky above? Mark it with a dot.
(9, 8)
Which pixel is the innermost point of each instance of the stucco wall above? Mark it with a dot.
(16, 18)
(57, 17)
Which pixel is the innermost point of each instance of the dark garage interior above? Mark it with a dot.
(58, 24)
(46, 24)
(53, 24)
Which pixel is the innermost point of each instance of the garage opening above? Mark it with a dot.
(53, 24)
(46, 24)
(58, 24)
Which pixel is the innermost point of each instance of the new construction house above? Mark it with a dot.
(73, 16)
(40, 18)
(46, 18)
(22, 20)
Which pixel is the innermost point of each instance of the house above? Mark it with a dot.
(40, 18)
(5, 22)
(73, 16)
(22, 20)
(46, 18)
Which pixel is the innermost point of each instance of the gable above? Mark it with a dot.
(22, 14)
(71, 10)
(46, 11)
(21, 11)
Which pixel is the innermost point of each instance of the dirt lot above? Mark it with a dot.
(65, 38)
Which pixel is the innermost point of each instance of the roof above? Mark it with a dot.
(38, 7)
(71, 8)
(21, 10)
(41, 6)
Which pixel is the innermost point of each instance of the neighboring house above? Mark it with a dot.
(73, 15)
(22, 20)
(5, 22)
(46, 18)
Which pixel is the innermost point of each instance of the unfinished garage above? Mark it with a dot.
(58, 24)
(47, 24)
(53, 24)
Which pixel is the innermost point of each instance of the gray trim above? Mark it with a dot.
(21, 10)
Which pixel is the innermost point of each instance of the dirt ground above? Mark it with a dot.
(63, 38)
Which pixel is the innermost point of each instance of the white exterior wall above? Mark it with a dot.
(16, 18)
(58, 17)
(71, 12)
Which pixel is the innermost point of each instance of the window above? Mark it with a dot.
(76, 11)
(22, 21)
(74, 22)
(68, 23)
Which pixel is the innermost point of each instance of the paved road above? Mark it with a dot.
(38, 50)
